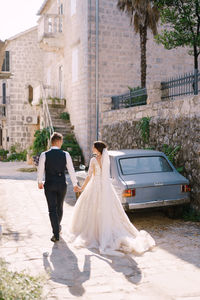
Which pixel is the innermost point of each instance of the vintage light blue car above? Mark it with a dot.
(145, 179)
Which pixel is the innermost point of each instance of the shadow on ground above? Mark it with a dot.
(125, 265)
(62, 265)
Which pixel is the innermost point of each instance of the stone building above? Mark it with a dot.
(23, 58)
(84, 54)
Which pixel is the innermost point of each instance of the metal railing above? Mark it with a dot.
(187, 84)
(46, 114)
(133, 98)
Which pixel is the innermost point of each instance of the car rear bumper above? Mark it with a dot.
(158, 203)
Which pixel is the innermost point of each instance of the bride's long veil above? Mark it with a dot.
(106, 204)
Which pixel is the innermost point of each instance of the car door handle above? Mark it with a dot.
(158, 183)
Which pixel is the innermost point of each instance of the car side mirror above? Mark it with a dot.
(82, 167)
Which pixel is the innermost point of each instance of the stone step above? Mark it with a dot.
(61, 125)
(62, 122)
(56, 110)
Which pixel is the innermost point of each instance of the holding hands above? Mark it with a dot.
(78, 189)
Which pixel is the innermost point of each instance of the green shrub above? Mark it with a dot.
(190, 214)
(65, 116)
(171, 153)
(3, 154)
(17, 156)
(19, 286)
(41, 141)
(71, 145)
(143, 126)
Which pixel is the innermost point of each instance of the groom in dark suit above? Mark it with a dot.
(54, 163)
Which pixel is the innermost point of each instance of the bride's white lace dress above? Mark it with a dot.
(99, 220)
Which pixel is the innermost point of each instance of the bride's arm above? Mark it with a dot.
(90, 172)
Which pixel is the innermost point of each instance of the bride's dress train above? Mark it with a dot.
(99, 220)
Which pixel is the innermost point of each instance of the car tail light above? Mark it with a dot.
(185, 188)
(129, 193)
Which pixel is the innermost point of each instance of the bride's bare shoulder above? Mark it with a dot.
(93, 160)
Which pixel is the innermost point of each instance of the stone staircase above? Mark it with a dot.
(62, 126)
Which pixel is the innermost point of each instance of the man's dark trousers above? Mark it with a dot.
(55, 186)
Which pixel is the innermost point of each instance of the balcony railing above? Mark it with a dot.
(51, 26)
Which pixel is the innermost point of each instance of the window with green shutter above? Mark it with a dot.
(6, 62)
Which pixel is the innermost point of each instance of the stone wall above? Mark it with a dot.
(26, 65)
(76, 91)
(172, 122)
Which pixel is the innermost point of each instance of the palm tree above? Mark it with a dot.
(144, 15)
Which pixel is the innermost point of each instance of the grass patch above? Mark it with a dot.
(19, 286)
(28, 170)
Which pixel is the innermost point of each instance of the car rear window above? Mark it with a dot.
(138, 165)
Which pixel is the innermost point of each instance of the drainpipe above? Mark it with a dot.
(97, 70)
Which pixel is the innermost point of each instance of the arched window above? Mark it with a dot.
(30, 94)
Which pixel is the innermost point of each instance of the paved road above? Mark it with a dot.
(170, 271)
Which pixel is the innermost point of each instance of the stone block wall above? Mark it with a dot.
(172, 122)
(26, 62)
(76, 37)
(119, 57)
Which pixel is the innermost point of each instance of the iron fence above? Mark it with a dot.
(188, 84)
(133, 98)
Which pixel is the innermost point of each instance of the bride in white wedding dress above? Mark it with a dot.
(99, 220)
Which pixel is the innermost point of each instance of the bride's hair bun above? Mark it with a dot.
(99, 145)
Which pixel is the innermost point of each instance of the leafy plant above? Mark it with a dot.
(15, 285)
(41, 141)
(65, 116)
(171, 153)
(3, 154)
(143, 126)
(71, 145)
(190, 214)
(17, 156)
(183, 20)
(56, 100)
(143, 15)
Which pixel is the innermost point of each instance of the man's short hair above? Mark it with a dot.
(56, 137)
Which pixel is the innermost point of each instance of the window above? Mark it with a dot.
(60, 81)
(1, 137)
(4, 93)
(60, 25)
(6, 62)
(75, 64)
(50, 25)
(60, 7)
(73, 7)
(146, 164)
(30, 94)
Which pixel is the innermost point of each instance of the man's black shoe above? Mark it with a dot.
(54, 239)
